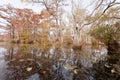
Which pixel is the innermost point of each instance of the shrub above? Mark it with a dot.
(106, 34)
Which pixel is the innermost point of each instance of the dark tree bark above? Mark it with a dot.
(112, 47)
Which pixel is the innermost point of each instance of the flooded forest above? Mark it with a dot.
(59, 39)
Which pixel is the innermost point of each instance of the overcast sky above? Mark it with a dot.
(19, 4)
(36, 8)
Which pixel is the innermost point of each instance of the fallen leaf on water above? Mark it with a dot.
(21, 60)
(107, 66)
(61, 59)
(29, 68)
(113, 71)
(30, 59)
(69, 67)
(44, 72)
(76, 71)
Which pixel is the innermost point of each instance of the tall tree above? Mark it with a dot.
(54, 9)
(19, 22)
(7, 14)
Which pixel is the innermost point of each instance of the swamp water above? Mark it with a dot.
(28, 62)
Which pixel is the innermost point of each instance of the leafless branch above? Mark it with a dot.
(97, 7)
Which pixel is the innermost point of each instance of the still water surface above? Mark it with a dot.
(28, 62)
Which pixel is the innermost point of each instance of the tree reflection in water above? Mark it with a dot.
(32, 63)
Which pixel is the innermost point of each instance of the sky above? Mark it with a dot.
(38, 8)
(19, 4)
(34, 7)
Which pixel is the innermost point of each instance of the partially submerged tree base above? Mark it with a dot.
(22, 42)
(76, 47)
